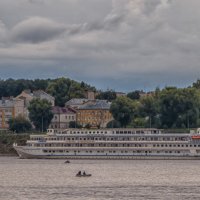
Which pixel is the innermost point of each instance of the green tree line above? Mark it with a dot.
(170, 107)
(63, 89)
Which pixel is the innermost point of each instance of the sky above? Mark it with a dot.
(124, 45)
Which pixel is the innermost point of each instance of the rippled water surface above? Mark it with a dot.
(135, 179)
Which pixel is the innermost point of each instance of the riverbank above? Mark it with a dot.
(7, 140)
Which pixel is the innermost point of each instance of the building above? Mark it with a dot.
(146, 94)
(27, 96)
(10, 108)
(62, 117)
(43, 95)
(119, 94)
(75, 102)
(91, 95)
(94, 113)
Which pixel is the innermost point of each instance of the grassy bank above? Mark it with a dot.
(7, 140)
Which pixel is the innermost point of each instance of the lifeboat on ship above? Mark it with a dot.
(196, 137)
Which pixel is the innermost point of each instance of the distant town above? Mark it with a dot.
(63, 103)
(83, 111)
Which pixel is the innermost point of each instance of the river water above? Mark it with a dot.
(23, 179)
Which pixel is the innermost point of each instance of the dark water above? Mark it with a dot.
(136, 179)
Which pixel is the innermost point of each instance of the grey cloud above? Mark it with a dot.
(36, 30)
(111, 22)
(133, 44)
(150, 6)
(36, 1)
(3, 32)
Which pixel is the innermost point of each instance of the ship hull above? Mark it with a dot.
(23, 154)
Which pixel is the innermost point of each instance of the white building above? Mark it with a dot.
(62, 117)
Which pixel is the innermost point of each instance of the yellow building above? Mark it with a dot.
(95, 113)
(10, 108)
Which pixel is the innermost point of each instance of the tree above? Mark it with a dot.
(109, 95)
(88, 126)
(11, 87)
(40, 113)
(19, 124)
(64, 89)
(73, 124)
(149, 110)
(123, 110)
(113, 124)
(134, 95)
(196, 84)
(179, 108)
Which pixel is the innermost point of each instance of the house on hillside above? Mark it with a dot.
(146, 94)
(95, 113)
(62, 117)
(10, 108)
(119, 94)
(91, 95)
(27, 96)
(43, 95)
(75, 102)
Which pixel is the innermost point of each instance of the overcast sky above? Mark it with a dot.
(117, 44)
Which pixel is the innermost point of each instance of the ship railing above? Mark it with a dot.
(124, 148)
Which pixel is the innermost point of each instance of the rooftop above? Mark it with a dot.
(95, 104)
(76, 101)
(61, 110)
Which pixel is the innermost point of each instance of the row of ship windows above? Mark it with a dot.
(117, 132)
(146, 152)
(87, 132)
(105, 132)
(115, 138)
(114, 145)
(176, 145)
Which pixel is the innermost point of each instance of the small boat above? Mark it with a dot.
(83, 175)
(79, 174)
(67, 161)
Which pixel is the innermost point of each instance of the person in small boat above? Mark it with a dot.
(84, 173)
(79, 173)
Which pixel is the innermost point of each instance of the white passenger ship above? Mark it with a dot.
(111, 144)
